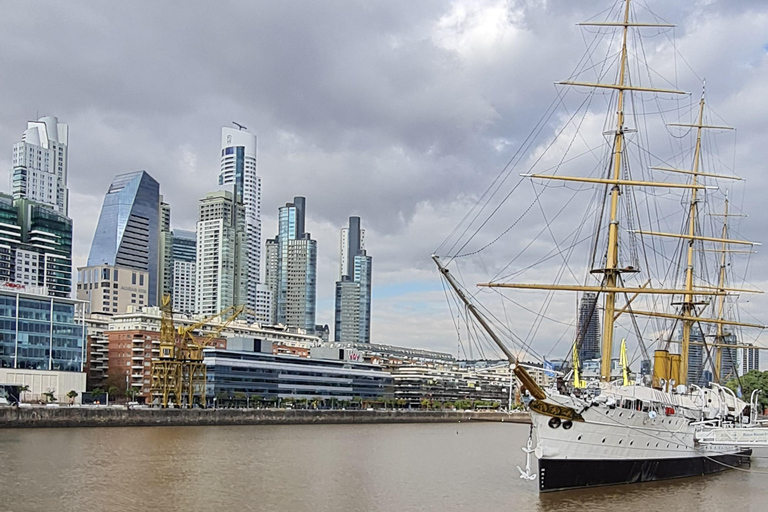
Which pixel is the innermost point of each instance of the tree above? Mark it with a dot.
(49, 396)
(72, 395)
(751, 381)
(113, 391)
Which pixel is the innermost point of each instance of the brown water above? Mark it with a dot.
(348, 468)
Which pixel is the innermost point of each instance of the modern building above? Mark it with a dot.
(698, 360)
(40, 164)
(133, 339)
(221, 269)
(729, 359)
(750, 359)
(449, 383)
(165, 248)
(111, 290)
(239, 169)
(352, 318)
(293, 276)
(271, 274)
(183, 265)
(42, 342)
(264, 302)
(128, 232)
(588, 329)
(97, 350)
(279, 377)
(35, 246)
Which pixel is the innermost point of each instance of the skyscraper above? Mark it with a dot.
(271, 275)
(221, 271)
(750, 359)
(239, 169)
(352, 319)
(183, 265)
(165, 248)
(35, 246)
(292, 271)
(588, 331)
(40, 164)
(128, 231)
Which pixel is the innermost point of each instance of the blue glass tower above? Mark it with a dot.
(127, 234)
(352, 319)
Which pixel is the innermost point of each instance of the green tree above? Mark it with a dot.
(751, 381)
(424, 403)
(49, 396)
(22, 390)
(72, 395)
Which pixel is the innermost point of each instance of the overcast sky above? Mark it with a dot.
(400, 112)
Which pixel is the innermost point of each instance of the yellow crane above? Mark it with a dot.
(179, 369)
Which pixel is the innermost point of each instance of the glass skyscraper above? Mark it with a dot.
(239, 170)
(352, 319)
(35, 246)
(128, 231)
(292, 270)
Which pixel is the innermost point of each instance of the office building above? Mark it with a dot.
(271, 275)
(254, 370)
(35, 246)
(729, 359)
(42, 341)
(40, 164)
(352, 315)
(96, 354)
(183, 265)
(221, 270)
(128, 232)
(588, 330)
(698, 360)
(111, 290)
(165, 247)
(293, 276)
(239, 169)
(750, 359)
(263, 311)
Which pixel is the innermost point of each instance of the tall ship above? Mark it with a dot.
(658, 272)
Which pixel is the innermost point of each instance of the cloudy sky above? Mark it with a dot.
(399, 112)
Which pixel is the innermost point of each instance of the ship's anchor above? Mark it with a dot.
(527, 475)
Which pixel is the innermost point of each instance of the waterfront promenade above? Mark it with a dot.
(30, 417)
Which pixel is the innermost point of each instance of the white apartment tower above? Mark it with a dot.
(40, 164)
(238, 169)
(221, 272)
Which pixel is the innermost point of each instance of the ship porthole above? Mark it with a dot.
(554, 422)
(567, 424)
(578, 438)
(631, 443)
(620, 441)
(603, 440)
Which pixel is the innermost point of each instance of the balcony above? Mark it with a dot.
(138, 349)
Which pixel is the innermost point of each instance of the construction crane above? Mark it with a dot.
(179, 370)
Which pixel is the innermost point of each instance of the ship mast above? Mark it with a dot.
(611, 284)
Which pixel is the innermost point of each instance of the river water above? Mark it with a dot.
(316, 468)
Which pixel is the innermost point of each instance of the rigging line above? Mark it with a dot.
(554, 238)
(553, 253)
(560, 98)
(450, 309)
(537, 313)
(496, 209)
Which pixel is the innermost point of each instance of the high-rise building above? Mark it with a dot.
(352, 319)
(111, 290)
(40, 164)
(729, 359)
(264, 301)
(699, 363)
(271, 275)
(221, 270)
(165, 247)
(588, 333)
(750, 359)
(35, 246)
(239, 169)
(293, 276)
(128, 232)
(183, 262)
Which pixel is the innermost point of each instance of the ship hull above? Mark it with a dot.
(563, 474)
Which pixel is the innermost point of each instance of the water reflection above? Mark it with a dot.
(447, 467)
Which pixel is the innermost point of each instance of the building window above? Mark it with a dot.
(133, 278)
(114, 275)
(105, 273)
(141, 279)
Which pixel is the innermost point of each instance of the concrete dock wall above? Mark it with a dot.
(13, 417)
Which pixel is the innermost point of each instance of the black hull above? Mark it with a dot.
(562, 474)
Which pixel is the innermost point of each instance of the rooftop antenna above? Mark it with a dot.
(239, 126)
